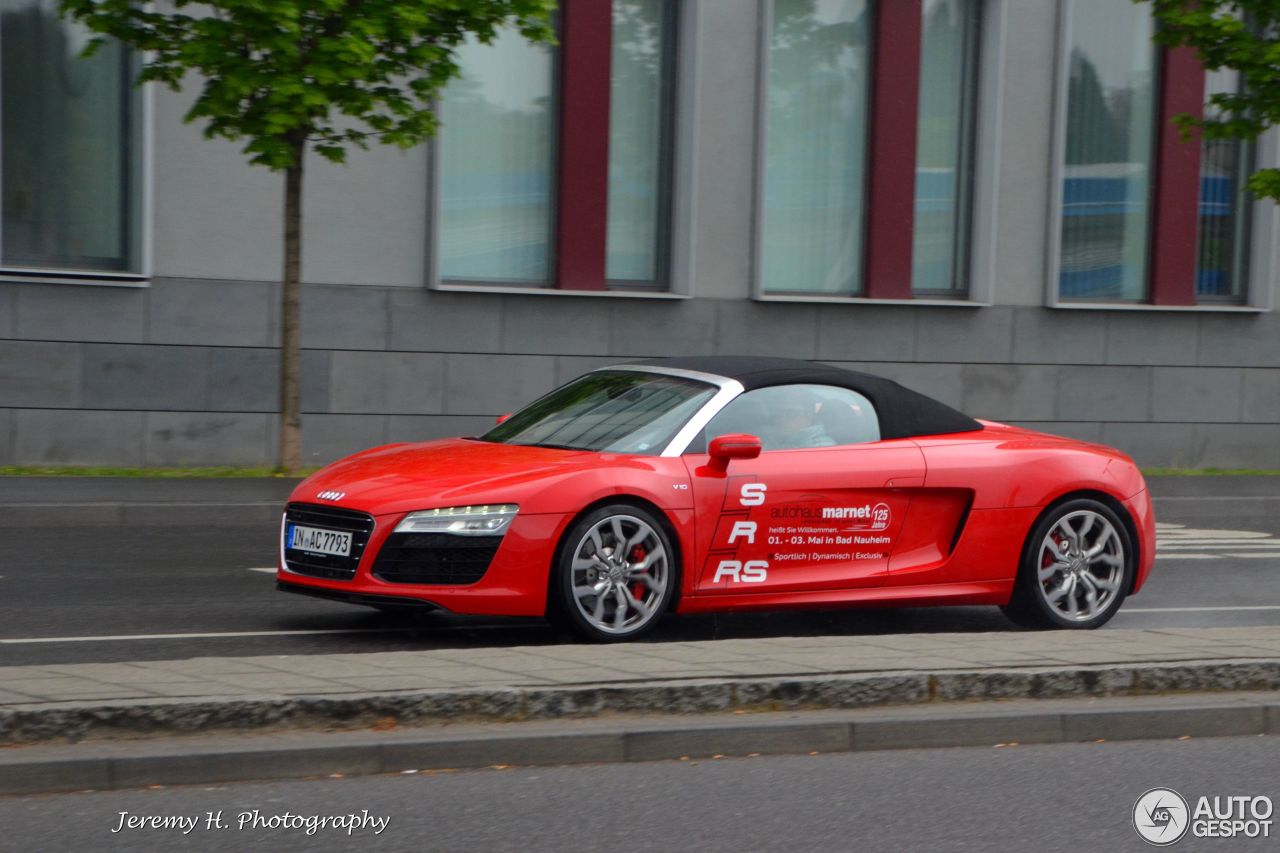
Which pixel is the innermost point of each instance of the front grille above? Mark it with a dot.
(359, 524)
(435, 558)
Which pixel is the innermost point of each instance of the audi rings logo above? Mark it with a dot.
(1161, 816)
(331, 496)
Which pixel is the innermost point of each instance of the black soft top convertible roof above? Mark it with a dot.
(902, 412)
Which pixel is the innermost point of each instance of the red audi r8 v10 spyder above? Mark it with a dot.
(719, 484)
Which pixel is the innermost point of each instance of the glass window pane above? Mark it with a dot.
(638, 110)
(66, 146)
(1222, 241)
(1109, 136)
(948, 74)
(612, 411)
(788, 417)
(496, 148)
(815, 145)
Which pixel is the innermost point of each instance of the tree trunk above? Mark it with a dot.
(290, 313)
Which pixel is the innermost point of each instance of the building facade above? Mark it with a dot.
(983, 199)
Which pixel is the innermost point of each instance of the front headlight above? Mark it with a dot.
(485, 520)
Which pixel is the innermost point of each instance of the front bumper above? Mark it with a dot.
(348, 597)
(514, 584)
(1144, 518)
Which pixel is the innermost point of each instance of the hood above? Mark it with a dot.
(452, 472)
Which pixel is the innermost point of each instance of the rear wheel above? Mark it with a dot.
(616, 574)
(1075, 570)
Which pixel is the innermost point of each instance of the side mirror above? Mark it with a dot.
(732, 446)
(503, 418)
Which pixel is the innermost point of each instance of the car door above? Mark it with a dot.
(801, 517)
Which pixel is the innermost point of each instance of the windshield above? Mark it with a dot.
(612, 411)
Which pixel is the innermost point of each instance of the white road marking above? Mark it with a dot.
(1211, 535)
(1222, 498)
(1233, 546)
(266, 570)
(1198, 609)
(209, 636)
(1179, 542)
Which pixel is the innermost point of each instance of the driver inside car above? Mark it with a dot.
(796, 424)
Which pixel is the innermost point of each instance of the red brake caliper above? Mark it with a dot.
(638, 589)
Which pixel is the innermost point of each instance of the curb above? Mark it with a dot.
(25, 724)
(122, 766)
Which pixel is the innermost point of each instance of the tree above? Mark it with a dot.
(286, 76)
(1243, 35)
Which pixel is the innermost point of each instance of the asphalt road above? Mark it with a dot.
(142, 593)
(1068, 797)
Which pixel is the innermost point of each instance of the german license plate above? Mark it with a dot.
(316, 540)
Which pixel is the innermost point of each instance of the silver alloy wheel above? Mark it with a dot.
(1080, 565)
(619, 574)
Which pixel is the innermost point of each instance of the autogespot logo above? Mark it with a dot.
(1160, 816)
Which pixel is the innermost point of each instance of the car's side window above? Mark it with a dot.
(786, 417)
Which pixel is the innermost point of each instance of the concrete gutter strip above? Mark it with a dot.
(141, 514)
(288, 755)
(112, 718)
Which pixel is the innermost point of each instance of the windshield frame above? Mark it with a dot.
(726, 390)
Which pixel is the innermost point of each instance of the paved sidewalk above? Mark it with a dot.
(576, 665)
(75, 701)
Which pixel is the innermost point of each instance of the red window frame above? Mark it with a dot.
(1175, 219)
(897, 36)
(582, 182)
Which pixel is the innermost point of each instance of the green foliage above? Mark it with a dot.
(284, 74)
(1243, 35)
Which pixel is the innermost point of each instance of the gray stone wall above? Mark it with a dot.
(184, 372)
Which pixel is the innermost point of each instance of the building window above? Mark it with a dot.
(816, 104)
(944, 151)
(640, 113)
(1108, 171)
(1223, 227)
(497, 150)
(867, 152)
(554, 163)
(1145, 215)
(69, 148)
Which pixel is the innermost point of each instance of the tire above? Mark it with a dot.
(1077, 566)
(615, 574)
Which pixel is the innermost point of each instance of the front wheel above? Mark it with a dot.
(615, 575)
(1075, 570)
